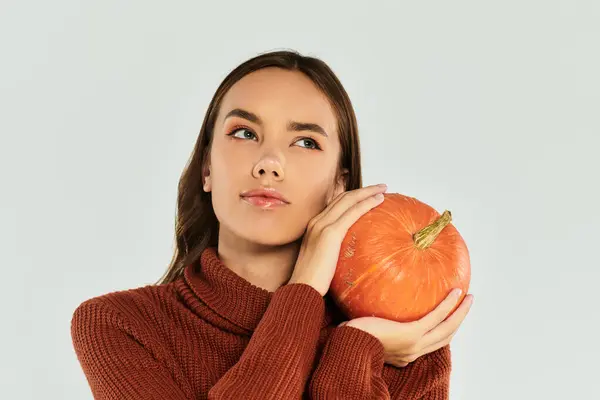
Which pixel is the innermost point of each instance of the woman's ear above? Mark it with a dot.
(343, 180)
(341, 184)
(206, 178)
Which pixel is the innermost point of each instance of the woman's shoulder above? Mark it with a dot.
(143, 303)
(127, 326)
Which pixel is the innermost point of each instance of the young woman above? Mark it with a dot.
(272, 186)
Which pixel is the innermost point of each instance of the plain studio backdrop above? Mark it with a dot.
(488, 109)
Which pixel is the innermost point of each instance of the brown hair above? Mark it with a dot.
(196, 226)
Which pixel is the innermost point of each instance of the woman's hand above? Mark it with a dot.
(319, 252)
(405, 342)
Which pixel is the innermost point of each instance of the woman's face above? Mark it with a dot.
(275, 134)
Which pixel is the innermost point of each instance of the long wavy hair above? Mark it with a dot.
(196, 226)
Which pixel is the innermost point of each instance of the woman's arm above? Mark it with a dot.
(116, 358)
(120, 361)
(352, 367)
(278, 359)
(354, 364)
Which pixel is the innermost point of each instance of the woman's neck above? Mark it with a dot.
(267, 267)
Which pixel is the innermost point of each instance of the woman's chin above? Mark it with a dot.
(278, 234)
(266, 228)
(271, 239)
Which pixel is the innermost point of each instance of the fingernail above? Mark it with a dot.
(457, 292)
(383, 185)
(378, 196)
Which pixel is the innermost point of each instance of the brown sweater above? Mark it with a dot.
(213, 335)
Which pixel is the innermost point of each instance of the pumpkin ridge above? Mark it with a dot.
(345, 293)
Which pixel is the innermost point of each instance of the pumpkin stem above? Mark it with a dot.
(426, 236)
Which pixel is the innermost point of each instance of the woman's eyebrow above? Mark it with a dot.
(292, 125)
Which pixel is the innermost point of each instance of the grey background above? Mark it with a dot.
(488, 109)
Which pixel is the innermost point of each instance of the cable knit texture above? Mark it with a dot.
(213, 335)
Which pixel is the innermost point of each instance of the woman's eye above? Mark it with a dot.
(243, 133)
(308, 143)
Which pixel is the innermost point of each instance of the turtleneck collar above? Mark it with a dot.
(229, 295)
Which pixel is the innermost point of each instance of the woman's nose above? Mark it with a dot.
(268, 168)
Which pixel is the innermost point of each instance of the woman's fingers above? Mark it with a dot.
(448, 328)
(439, 314)
(347, 219)
(435, 346)
(344, 201)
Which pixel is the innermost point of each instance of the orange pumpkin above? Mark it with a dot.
(399, 261)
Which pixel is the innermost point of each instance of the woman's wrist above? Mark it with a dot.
(299, 281)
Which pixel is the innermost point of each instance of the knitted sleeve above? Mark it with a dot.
(116, 358)
(352, 367)
(122, 361)
(278, 360)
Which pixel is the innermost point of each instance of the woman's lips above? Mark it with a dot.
(264, 198)
(264, 202)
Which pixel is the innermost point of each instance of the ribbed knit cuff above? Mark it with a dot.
(354, 347)
(350, 367)
(297, 304)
